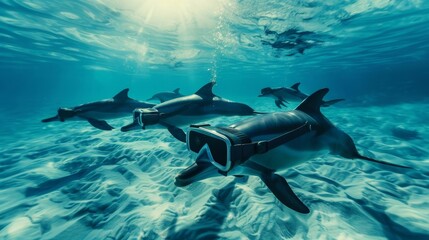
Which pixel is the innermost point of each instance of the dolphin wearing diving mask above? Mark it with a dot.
(186, 110)
(305, 133)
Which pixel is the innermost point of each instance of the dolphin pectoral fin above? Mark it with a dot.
(51, 119)
(100, 124)
(381, 162)
(281, 189)
(178, 133)
(280, 102)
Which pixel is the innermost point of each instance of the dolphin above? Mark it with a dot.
(186, 110)
(165, 96)
(284, 94)
(320, 137)
(293, 39)
(119, 106)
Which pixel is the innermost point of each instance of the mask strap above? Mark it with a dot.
(139, 119)
(261, 147)
(264, 146)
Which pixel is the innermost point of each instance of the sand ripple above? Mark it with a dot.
(70, 181)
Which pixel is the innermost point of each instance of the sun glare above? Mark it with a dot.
(171, 15)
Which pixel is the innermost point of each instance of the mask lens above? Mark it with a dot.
(218, 148)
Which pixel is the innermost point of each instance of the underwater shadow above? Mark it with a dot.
(405, 134)
(209, 222)
(57, 183)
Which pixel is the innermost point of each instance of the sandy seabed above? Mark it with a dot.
(71, 181)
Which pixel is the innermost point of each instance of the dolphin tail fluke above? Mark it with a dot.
(100, 124)
(381, 162)
(330, 102)
(51, 119)
(281, 189)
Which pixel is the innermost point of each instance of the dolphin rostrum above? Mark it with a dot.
(119, 106)
(320, 137)
(165, 96)
(186, 110)
(282, 95)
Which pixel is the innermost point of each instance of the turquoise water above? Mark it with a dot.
(72, 181)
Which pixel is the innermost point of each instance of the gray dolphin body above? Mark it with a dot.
(282, 95)
(119, 106)
(191, 109)
(322, 137)
(165, 96)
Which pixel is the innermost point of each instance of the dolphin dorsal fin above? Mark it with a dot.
(295, 86)
(206, 90)
(176, 90)
(122, 95)
(313, 102)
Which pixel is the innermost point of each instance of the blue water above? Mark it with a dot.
(72, 181)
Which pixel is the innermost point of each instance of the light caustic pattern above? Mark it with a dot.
(185, 35)
(75, 182)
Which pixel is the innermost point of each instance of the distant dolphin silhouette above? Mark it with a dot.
(165, 96)
(293, 39)
(319, 136)
(186, 110)
(119, 106)
(282, 95)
